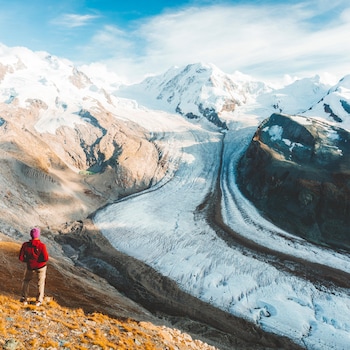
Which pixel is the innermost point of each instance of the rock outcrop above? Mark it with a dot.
(74, 170)
(296, 170)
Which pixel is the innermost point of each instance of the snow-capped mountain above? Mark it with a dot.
(195, 91)
(59, 90)
(204, 91)
(335, 104)
(297, 97)
(53, 117)
(143, 164)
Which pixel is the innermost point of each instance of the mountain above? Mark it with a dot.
(296, 171)
(297, 97)
(335, 104)
(135, 189)
(71, 128)
(203, 91)
(194, 91)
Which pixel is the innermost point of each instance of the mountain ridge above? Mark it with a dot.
(74, 147)
(197, 90)
(296, 171)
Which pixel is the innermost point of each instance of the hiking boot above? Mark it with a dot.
(38, 303)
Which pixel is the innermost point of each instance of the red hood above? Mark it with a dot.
(36, 242)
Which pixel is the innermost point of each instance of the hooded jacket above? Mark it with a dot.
(34, 253)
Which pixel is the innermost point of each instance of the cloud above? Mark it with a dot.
(263, 40)
(71, 20)
(112, 39)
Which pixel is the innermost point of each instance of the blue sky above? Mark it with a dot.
(265, 39)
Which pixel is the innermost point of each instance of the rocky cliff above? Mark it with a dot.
(296, 170)
(76, 170)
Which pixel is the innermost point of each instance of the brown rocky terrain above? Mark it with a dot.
(75, 170)
(297, 172)
(80, 311)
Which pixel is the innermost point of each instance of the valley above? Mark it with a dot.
(140, 208)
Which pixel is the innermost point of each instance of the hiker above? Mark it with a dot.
(34, 253)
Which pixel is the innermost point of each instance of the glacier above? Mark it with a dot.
(165, 228)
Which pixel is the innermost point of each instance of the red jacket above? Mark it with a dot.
(34, 253)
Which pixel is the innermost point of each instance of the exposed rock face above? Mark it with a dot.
(297, 172)
(76, 170)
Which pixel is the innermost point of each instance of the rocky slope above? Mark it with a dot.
(297, 172)
(100, 167)
(59, 151)
(53, 326)
(81, 311)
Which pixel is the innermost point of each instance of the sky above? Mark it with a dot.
(265, 39)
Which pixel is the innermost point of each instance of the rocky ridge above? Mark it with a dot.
(65, 322)
(52, 327)
(297, 172)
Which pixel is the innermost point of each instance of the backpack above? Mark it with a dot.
(31, 252)
(35, 255)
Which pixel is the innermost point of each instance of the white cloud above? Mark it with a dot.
(71, 20)
(112, 39)
(257, 40)
(345, 16)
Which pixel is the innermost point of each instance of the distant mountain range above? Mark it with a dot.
(195, 91)
(202, 90)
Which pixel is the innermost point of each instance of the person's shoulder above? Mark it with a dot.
(42, 244)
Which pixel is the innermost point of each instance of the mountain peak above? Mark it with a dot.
(196, 91)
